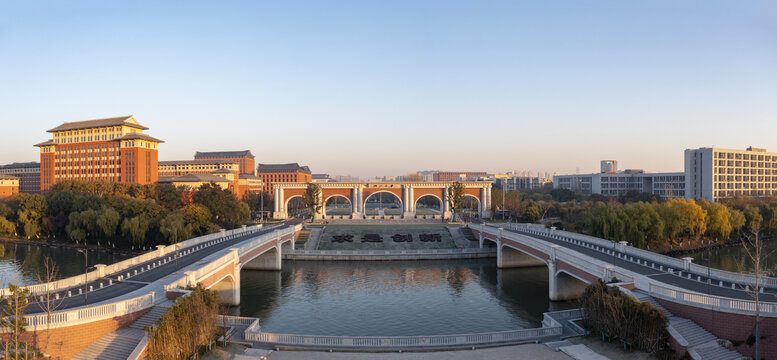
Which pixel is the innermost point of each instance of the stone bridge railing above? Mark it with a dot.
(728, 276)
(647, 284)
(79, 316)
(191, 278)
(160, 252)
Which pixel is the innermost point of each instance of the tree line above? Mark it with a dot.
(119, 214)
(642, 219)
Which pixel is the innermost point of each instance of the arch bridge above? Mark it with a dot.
(408, 194)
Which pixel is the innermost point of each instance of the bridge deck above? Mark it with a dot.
(662, 276)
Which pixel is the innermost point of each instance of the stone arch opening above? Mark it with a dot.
(565, 286)
(295, 206)
(268, 260)
(383, 203)
(509, 257)
(338, 205)
(428, 205)
(228, 290)
(470, 205)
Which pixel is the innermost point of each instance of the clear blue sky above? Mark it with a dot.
(390, 87)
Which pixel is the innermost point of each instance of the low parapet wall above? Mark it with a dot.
(388, 255)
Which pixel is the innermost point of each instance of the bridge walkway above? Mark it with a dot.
(111, 288)
(653, 270)
(701, 344)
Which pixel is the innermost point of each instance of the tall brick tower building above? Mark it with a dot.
(112, 149)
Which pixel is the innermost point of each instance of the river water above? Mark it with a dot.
(734, 258)
(23, 264)
(397, 298)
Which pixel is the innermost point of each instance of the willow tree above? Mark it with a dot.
(312, 199)
(455, 197)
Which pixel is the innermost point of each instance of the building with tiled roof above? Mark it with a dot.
(194, 181)
(243, 158)
(28, 174)
(240, 184)
(9, 185)
(112, 149)
(291, 172)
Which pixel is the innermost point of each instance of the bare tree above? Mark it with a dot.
(48, 301)
(755, 252)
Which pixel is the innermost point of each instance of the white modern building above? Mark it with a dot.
(715, 173)
(666, 185)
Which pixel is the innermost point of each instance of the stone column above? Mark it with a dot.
(354, 202)
(276, 200)
(411, 203)
(482, 202)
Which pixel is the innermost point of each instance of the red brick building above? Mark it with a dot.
(111, 149)
(28, 174)
(273, 173)
(243, 158)
(9, 185)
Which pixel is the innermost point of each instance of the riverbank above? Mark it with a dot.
(54, 244)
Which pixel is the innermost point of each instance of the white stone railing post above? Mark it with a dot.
(100, 270)
(687, 263)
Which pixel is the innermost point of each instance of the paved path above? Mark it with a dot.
(656, 274)
(120, 288)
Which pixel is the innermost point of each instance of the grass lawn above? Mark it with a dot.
(426, 212)
(385, 231)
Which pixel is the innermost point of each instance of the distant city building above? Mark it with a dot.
(273, 173)
(346, 178)
(427, 175)
(523, 182)
(9, 185)
(458, 176)
(243, 158)
(666, 185)
(609, 166)
(715, 173)
(321, 178)
(28, 174)
(112, 149)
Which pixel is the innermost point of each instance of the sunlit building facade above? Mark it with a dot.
(715, 173)
(111, 149)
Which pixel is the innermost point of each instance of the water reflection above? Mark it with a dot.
(21, 264)
(734, 258)
(395, 298)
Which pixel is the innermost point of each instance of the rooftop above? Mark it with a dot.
(291, 167)
(197, 162)
(223, 154)
(21, 165)
(106, 122)
(192, 178)
(136, 136)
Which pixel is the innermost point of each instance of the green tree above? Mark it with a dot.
(198, 216)
(737, 220)
(642, 224)
(108, 221)
(533, 211)
(312, 199)
(753, 218)
(6, 227)
(16, 303)
(30, 209)
(135, 229)
(225, 209)
(718, 220)
(175, 228)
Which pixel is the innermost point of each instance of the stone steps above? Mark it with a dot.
(714, 353)
(702, 345)
(120, 344)
(150, 318)
(117, 345)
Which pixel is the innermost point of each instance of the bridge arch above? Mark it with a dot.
(228, 289)
(565, 285)
(266, 259)
(513, 257)
(397, 201)
(334, 209)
